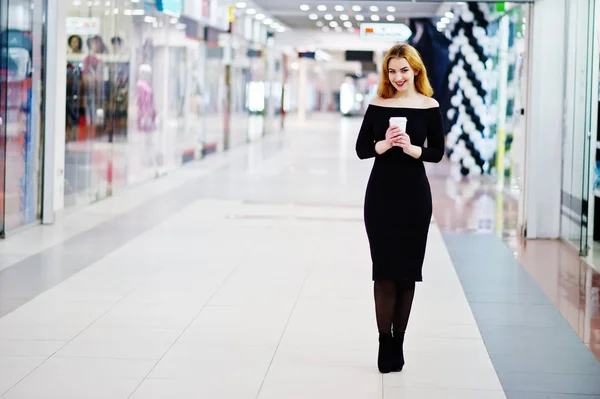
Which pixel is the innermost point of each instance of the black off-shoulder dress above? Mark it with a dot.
(398, 205)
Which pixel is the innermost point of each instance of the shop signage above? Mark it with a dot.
(170, 7)
(385, 32)
(83, 26)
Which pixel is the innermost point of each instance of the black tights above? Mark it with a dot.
(393, 301)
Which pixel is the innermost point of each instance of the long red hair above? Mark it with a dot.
(412, 56)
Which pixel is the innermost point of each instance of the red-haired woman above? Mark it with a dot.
(398, 203)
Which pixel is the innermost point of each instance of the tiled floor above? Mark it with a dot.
(244, 276)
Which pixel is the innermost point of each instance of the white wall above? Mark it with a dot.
(545, 119)
(55, 98)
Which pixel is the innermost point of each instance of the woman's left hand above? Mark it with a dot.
(403, 141)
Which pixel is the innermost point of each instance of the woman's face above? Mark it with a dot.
(74, 43)
(400, 73)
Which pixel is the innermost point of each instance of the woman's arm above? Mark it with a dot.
(366, 147)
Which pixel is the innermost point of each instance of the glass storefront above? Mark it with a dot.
(134, 96)
(507, 100)
(21, 112)
(581, 100)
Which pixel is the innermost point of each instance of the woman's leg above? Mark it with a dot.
(385, 297)
(405, 292)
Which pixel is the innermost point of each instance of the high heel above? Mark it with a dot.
(397, 352)
(384, 357)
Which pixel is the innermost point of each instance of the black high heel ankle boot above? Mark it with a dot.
(397, 352)
(384, 358)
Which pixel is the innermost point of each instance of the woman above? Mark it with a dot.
(398, 203)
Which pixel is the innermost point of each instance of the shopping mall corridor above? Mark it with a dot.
(247, 275)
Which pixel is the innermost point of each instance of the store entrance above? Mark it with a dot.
(21, 112)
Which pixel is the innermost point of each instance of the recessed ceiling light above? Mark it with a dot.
(334, 24)
(391, 9)
(268, 21)
(348, 24)
(241, 4)
(260, 17)
(339, 8)
(328, 17)
(344, 17)
(314, 17)
(359, 17)
(251, 11)
(356, 8)
(391, 18)
(320, 24)
(374, 17)
(322, 8)
(374, 8)
(305, 7)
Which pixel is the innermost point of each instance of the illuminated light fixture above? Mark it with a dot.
(241, 4)
(391, 18)
(139, 12)
(314, 17)
(348, 24)
(391, 9)
(107, 4)
(305, 7)
(322, 8)
(344, 17)
(450, 14)
(359, 17)
(356, 8)
(334, 24)
(374, 8)
(445, 20)
(116, 11)
(135, 1)
(339, 8)
(260, 17)
(328, 17)
(251, 11)
(268, 21)
(76, 3)
(375, 18)
(149, 19)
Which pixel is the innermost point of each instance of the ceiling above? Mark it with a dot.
(289, 13)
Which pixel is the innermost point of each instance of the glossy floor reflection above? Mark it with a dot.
(475, 205)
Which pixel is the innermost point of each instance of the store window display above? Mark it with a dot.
(21, 110)
(127, 97)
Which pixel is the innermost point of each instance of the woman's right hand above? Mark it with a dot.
(392, 135)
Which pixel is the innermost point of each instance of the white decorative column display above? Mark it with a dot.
(469, 142)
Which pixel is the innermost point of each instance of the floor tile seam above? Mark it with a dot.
(464, 297)
(305, 278)
(439, 387)
(68, 342)
(69, 218)
(556, 320)
(572, 395)
(186, 328)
